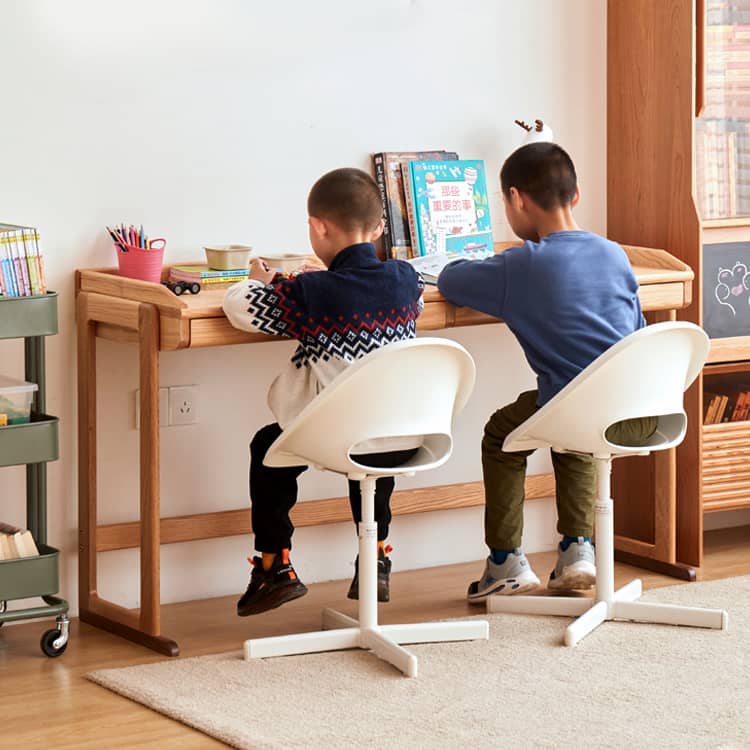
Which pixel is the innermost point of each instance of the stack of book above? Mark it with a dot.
(726, 407)
(206, 275)
(434, 203)
(15, 543)
(21, 262)
(390, 168)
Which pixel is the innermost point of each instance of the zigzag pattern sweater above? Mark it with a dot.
(337, 316)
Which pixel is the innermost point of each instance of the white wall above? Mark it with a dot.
(208, 122)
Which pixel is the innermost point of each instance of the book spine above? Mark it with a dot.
(40, 264)
(378, 165)
(20, 278)
(411, 212)
(23, 265)
(225, 280)
(28, 244)
(186, 276)
(9, 268)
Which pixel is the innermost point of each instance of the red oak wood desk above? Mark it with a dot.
(149, 315)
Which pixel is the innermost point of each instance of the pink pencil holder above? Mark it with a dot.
(140, 263)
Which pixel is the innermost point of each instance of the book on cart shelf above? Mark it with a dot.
(389, 168)
(15, 544)
(21, 262)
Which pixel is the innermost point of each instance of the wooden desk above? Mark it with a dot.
(149, 315)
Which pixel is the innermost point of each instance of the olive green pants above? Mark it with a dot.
(575, 479)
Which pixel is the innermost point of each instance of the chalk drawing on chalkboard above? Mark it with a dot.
(731, 285)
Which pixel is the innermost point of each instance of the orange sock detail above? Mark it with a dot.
(387, 549)
(285, 559)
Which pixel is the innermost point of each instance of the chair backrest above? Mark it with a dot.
(408, 388)
(643, 375)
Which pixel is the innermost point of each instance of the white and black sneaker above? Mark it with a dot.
(514, 576)
(576, 567)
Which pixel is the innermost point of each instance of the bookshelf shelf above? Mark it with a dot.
(33, 444)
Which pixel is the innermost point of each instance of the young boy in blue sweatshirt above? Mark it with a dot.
(337, 316)
(567, 295)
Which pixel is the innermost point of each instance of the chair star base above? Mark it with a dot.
(622, 606)
(343, 632)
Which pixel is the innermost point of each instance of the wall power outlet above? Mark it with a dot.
(183, 404)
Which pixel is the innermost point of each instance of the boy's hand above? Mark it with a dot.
(260, 271)
(309, 267)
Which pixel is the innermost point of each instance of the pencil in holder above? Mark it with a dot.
(140, 262)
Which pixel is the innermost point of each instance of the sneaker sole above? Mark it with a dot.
(507, 587)
(580, 576)
(275, 599)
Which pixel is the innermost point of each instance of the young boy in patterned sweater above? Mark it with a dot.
(337, 316)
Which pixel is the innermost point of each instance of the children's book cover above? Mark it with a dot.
(451, 206)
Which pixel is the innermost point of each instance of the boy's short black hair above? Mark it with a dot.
(543, 171)
(347, 197)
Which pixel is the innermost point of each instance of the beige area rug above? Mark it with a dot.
(624, 686)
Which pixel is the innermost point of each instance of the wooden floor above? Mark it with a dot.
(48, 703)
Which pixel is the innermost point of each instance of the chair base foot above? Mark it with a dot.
(623, 606)
(383, 640)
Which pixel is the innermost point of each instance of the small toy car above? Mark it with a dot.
(180, 287)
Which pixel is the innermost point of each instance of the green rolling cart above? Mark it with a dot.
(33, 444)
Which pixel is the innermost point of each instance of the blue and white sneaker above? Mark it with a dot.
(576, 567)
(514, 576)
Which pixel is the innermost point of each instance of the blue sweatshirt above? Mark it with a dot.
(567, 299)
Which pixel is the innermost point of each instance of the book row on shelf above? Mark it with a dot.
(433, 203)
(726, 407)
(16, 543)
(722, 133)
(21, 262)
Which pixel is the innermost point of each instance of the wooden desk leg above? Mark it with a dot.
(141, 627)
(86, 455)
(148, 325)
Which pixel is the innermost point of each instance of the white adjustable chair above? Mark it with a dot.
(409, 388)
(644, 374)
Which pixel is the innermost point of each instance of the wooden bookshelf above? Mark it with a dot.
(660, 79)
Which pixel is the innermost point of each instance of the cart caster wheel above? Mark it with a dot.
(48, 643)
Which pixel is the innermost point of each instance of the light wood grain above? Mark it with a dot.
(49, 703)
(149, 469)
(736, 348)
(87, 464)
(311, 513)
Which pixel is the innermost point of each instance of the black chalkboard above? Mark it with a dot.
(726, 289)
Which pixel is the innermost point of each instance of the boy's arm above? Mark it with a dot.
(253, 306)
(479, 284)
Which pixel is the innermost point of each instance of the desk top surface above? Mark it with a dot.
(651, 267)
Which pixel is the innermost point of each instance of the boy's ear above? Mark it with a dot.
(318, 226)
(576, 197)
(516, 199)
(378, 230)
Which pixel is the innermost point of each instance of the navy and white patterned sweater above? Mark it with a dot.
(337, 316)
